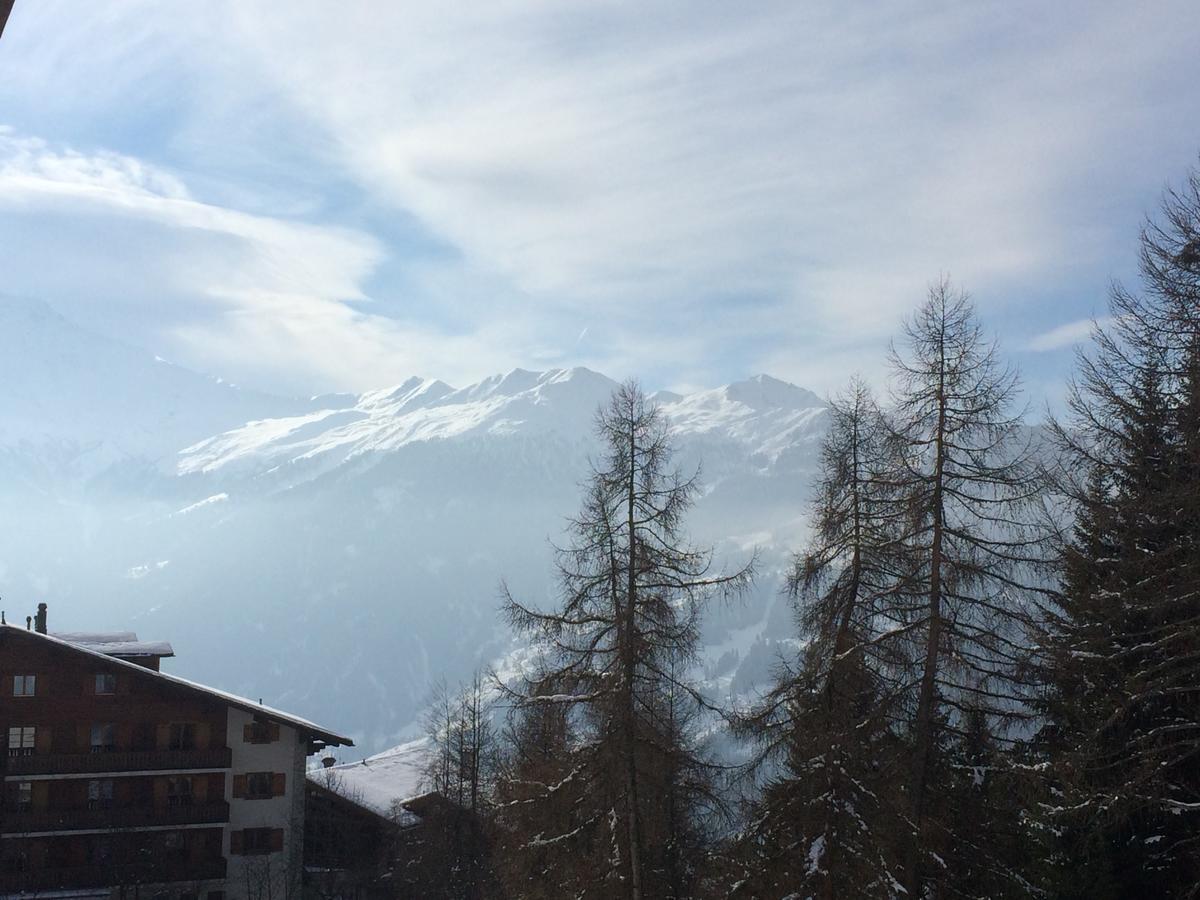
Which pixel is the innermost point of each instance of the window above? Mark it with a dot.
(99, 852)
(260, 731)
(15, 861)
(183, 736)
(258, 785)
(100, 793)
(24, 685)
(24, 795)
(261, 840)
(21, 740)
(104, 737)
(179, 791)
(106, 683)
(173, 842)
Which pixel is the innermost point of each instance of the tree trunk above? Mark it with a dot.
(631, 780)
(923, 728)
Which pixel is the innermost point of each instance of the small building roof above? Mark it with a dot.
(380, 782)
(115, 643)
(311, 728)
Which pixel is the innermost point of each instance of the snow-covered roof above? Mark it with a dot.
(115, 643)
(380, 781)
(311, 728)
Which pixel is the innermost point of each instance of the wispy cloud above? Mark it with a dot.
(1066, 335)
(710, 189)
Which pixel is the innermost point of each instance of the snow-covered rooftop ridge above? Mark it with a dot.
(115, 643)
(233, 699)
(381, 781)
(94, 637)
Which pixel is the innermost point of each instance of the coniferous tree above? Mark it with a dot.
(1122, 702)
(967, 477)
(826, 825)
(462, 770)
(546, 821)
(615, 653)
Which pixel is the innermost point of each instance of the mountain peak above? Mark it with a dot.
(766, 392)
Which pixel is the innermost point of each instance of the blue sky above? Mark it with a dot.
(320, 196)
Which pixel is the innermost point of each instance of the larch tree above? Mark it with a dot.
(969, 481)
(617, 651)
(827, 824)
(462, 769)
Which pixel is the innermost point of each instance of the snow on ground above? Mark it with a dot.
(200, 504)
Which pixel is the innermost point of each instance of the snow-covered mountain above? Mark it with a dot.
(338, 555)
(73, 395)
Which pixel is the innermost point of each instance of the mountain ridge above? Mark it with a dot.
(336, 555)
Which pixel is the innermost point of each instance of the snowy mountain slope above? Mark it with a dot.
(764, 414)
(336, 556)
(530, 403)
(71, 390)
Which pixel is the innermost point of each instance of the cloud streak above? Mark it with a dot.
(707, 190)
(1067, 335)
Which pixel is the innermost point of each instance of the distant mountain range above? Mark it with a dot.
(336, 555)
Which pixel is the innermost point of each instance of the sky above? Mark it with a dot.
(318, 196)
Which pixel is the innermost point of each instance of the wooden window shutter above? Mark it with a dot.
(236, 844)
(274, 731)
(247, 733)
(276, 839)
(278, 784)
(239, 785)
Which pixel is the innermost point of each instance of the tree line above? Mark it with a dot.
(997, 687)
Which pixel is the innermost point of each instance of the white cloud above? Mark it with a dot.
(287, 257)
(765, 187)
(275, 290)
(1066, 335)
(835, 159)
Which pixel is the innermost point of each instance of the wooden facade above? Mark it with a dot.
(118, 777)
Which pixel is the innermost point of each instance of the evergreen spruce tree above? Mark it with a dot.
(1123, 648)
(547, 823)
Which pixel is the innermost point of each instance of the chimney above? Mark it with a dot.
(39, 622)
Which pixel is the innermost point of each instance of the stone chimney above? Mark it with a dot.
(39, 622)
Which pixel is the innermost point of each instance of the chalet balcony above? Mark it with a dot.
(119, 761)
(24, 821)
(75, 877)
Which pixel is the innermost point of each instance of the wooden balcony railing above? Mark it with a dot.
(75, 877)
(119, 761)
(25, 821)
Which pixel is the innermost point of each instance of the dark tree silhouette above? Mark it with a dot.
(969, 479)
(827, 823)
(1123, 663)
(615, 652)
